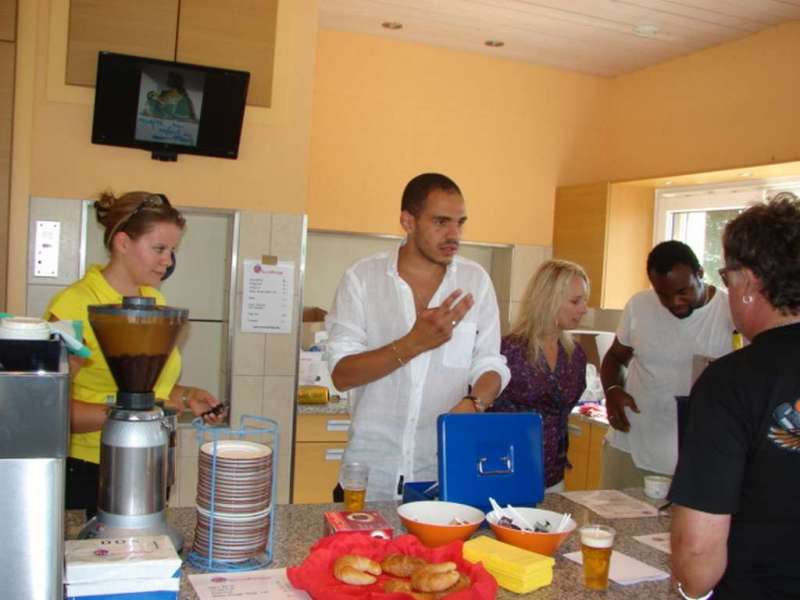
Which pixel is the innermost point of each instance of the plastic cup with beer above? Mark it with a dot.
(353, 479)
(596, 544)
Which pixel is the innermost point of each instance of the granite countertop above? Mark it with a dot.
(334, 407)
(298, 526)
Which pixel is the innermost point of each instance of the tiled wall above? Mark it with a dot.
(264, 365)
(512, 268)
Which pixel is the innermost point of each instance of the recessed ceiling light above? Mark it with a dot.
(668, 182)
(646, 30)
(494, 43)
(745, 174)
(393, 25)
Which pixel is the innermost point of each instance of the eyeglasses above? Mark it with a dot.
(151, 201)
(723, 274)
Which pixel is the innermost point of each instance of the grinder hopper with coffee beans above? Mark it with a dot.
(136, 338)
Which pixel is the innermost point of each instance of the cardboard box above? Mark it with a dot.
(366, 521)
(94, 560)
(313, 321)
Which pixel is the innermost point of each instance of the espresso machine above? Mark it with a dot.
(136, 338)
(34, 441)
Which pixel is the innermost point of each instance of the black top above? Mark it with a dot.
(741, 456)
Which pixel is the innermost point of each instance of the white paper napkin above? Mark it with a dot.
(626, 570)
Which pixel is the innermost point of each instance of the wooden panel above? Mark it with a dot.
(8, 20)
(7, 53)
(322, 428)
(629, 239)
(237, 34)
(579, 228)
(143, 28)
(578, 454)
(316, 472)
(595, 467)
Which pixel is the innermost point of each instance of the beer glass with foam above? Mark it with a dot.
(596, 544)
(353, 479)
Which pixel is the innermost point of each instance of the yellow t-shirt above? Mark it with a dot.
(94, 382)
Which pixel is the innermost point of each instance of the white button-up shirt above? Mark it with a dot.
(393, 427)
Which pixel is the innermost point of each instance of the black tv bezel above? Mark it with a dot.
(162, 151)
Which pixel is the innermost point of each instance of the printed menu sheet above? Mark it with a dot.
(612, 504)
(267, 297)
(625, 570)
(268, 584)
(659, 541)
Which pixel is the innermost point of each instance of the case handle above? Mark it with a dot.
(509, 466)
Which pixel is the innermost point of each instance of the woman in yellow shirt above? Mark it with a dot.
(142, 230)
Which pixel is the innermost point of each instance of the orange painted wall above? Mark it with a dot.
(734, 105)
(506, 132)
(54, 156)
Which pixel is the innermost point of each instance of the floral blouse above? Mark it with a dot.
(552, 394)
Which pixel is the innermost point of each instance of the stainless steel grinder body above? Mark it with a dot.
(133, 466)
(34, 441)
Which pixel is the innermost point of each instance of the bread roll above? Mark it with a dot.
(356, 570)
(402, 565)
(403, 586)
(435, 577)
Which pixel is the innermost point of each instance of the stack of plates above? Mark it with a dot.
(242, 492)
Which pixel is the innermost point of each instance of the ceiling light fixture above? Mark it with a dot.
(668, 182)
(745, 174)
(646, 30)
(494, 43)
(393, 25)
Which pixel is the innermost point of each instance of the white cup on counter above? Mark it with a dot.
(24, 328)
(657, 486)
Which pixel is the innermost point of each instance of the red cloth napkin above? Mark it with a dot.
(315, 574)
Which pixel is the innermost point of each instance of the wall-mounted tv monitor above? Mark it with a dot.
(168, 107)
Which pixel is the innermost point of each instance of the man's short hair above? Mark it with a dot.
(417, 191)
(663, 258)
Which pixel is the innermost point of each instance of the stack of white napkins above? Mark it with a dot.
(138, 568)
(626, 570)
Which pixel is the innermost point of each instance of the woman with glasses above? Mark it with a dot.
(736, 519)
(142, 230)
(548, 370)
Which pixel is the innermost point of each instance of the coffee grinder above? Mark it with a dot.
(136, 338)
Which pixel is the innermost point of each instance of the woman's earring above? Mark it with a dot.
(747, 299)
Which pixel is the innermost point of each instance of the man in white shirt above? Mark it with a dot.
(414, 333)
(660, 333)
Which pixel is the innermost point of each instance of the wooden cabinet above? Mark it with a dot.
(237, 34)
(8, 20)
(320, 441)
(144, 28)
(608, 229)
(585, 454)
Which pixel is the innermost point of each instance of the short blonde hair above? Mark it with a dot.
(546, 292)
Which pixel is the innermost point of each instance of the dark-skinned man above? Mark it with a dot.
(414, 333)
(660, 333)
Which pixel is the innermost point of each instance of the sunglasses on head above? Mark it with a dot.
(150, 201)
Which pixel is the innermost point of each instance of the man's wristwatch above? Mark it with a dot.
(686, 596)
(477, 403)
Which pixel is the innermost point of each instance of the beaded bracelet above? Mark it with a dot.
(400, 360)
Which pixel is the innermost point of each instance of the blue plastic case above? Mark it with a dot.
(491, 454)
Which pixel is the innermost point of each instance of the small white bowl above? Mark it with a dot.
(657, 486)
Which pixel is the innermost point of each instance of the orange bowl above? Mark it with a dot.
(542, 543)
(433, 522)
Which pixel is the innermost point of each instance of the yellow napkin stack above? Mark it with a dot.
(515, 569)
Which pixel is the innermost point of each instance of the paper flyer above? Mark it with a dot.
(266, 584)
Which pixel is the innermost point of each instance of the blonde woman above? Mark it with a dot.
(548, 370)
